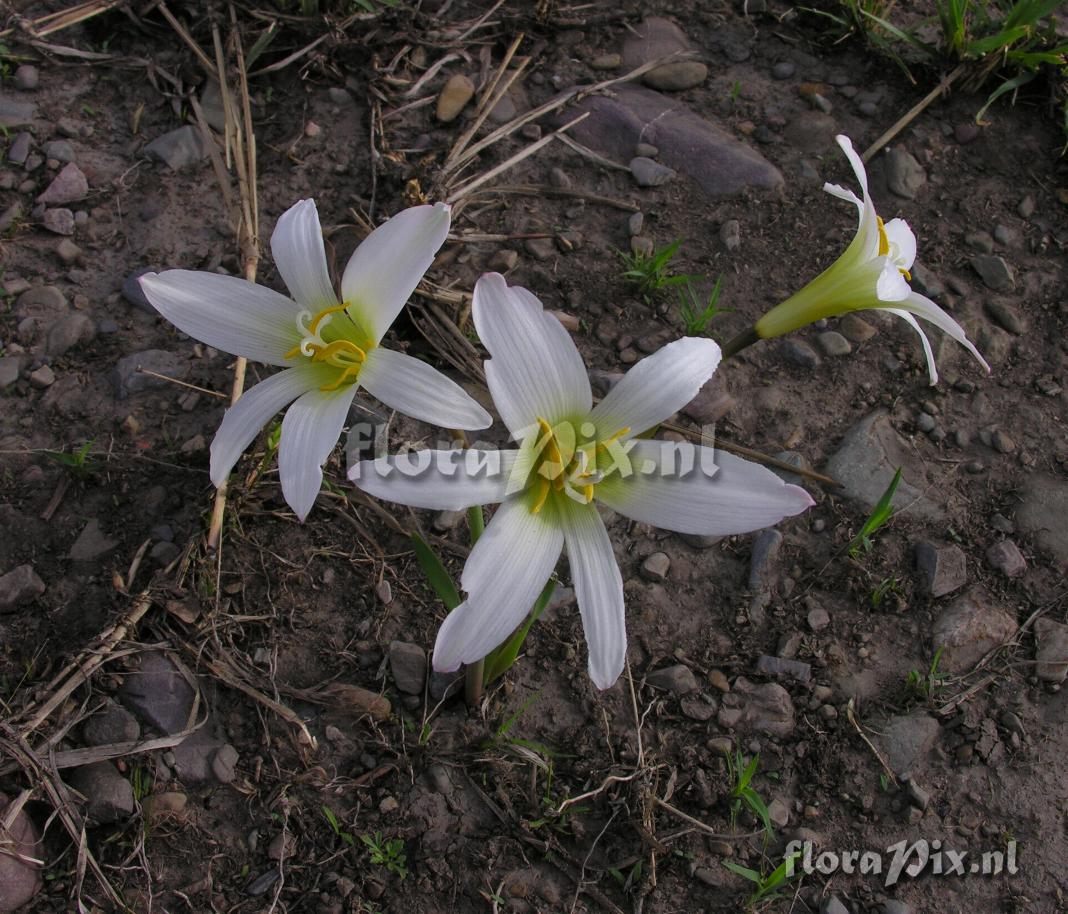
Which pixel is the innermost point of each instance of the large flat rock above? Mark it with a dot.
(865, 464)
(721, 164)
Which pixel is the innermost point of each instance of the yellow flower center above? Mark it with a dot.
(884, 246)
(561, 464)
(342, 344)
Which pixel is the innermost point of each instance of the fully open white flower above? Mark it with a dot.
(328, 348)
(873, 272)
(573, 454)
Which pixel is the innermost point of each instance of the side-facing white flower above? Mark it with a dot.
(573, 454)
(328, 349)
(873, 272)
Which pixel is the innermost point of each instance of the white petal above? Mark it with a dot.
(891, 285)
(535, 371)
(842, 193)
(598, 589)
(504, 574)
(929, 311)
(299, 255)
(902, 243)
(932, 368)
(451, 480)
(309, 432)
(419, 390)
(385, 269)
(254, 410)
(720, 496)
(228, 313)
(657, 387)
(855, 160)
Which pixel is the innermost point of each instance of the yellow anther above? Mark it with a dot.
(313, 327)
(884, 242)
(342, 378)
(333, 353)
(543, 494)
(588, 492)
(907, 275)
(293, 353)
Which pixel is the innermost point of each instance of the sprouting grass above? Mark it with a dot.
(388, 853)
(881, 513)
(335, 826)
(651, 274)
(1013, 40)
(76, 462)
(926, 685)
(697, 314)
(766, 888)
(741, 773)
(882, 590)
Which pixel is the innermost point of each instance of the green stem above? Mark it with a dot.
(473, 676)
(476, 522)
(475, 672)
(740, 342)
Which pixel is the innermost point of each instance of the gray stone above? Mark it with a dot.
(855, 329)
(654, 38)
(677, 679)
(111, 724)
(656, 567)
(865, 463)
(784, 69)
(1051, 650)
(223, 764)
(765, 708)
(711, 404)
(194, 757)
(799, 353)
(68, 252)
(10, 367)
(722, 165)
(407, 664)
(43, 377)
(970, 627)
(675, 77)
(650, 173)
(907, 739)
(59, 221)
(164, 553)
(211, 103)
(158, 694)
(20, 881)
(1007, 316)
(69, 331)
(48, 298)
(540, 248)
(1007, 558)
(445, 685)
(27, 77)
(1026, 207)
(904, 175)
(9, 215)
(19, 586)
(134, 294)
(943, 567)
(455, 95)
(606, 62)
(782, 668)
(833, 343)
(180, 148)
(110, 796)
(19, 150)
(15, 112)
(818, 618)
(1044, 515)
(893, 906)
(980, 241)
(811, 131)
(60, 150)
(730, 234)
(69, 186)
(129, 380)
(925, 282)
(995, 272)
(91, 543)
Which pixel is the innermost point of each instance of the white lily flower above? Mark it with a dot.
(328, 349)
(873, 272)
(573, 456)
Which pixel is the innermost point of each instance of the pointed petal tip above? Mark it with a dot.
(804, 499)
